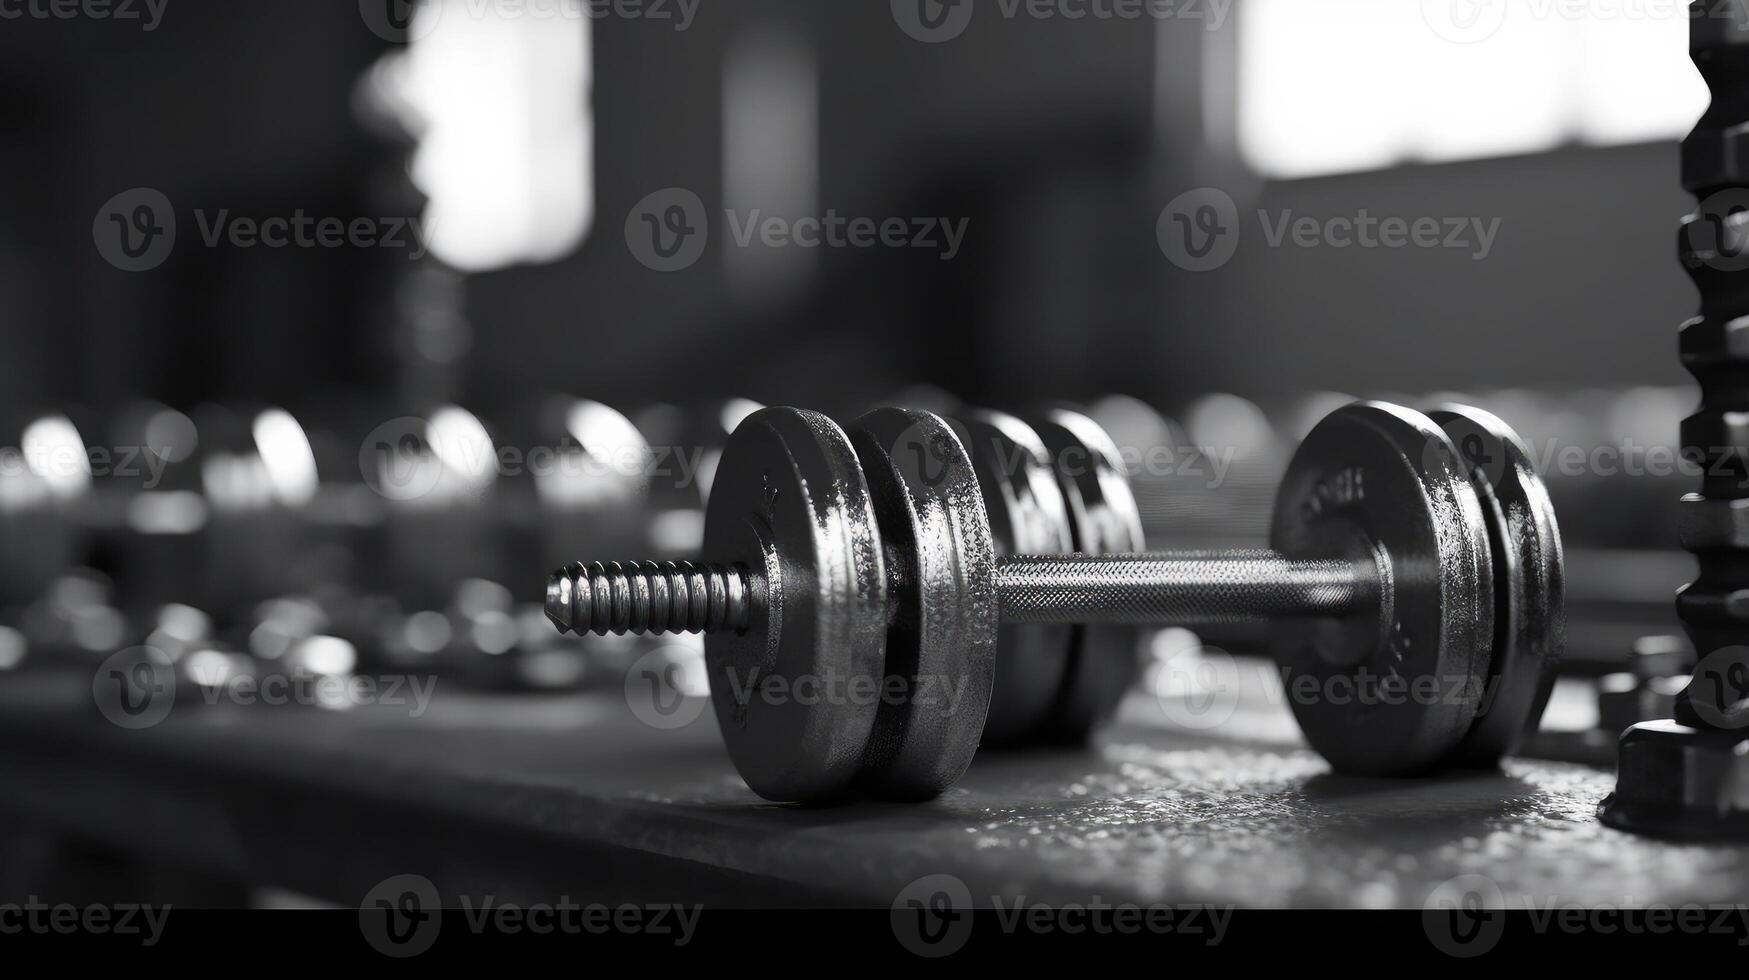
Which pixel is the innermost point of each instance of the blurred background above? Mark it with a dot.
(534, 239)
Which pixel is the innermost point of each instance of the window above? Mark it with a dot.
(1334, 86)
(501, 99)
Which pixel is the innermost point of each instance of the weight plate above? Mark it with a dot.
(941, 646)
(790, 502)
(1103, 660)
(1027, 517)
(1391, 690)
(1525, 543)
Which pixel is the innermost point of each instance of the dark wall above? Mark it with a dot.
(238, 106)
(1036, 135)
(1060, 143)
(1582, 287)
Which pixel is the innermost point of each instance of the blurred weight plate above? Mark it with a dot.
(1103, 660)
(1027, 517)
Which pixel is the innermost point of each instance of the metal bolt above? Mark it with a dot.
(649, 598)
(1164, 589)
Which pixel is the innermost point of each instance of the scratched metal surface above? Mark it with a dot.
(1151, 815)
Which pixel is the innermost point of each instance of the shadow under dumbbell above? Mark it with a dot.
(1438, 803)
(1497, 786)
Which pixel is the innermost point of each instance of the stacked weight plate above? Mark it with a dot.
(1684, 777)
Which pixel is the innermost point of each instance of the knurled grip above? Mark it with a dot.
(1183, 589)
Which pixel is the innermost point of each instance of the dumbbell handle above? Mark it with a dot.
(1188, 589)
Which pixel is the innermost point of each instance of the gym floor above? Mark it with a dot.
(567, 796)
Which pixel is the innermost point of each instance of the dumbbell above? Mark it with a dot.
(862, 566)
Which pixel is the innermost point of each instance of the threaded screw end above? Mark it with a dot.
(649, 598)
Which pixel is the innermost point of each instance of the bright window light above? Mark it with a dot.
(506, 136)
(1335, 86)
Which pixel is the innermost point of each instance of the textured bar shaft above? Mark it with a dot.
(1162, 590)
(1179, 590)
